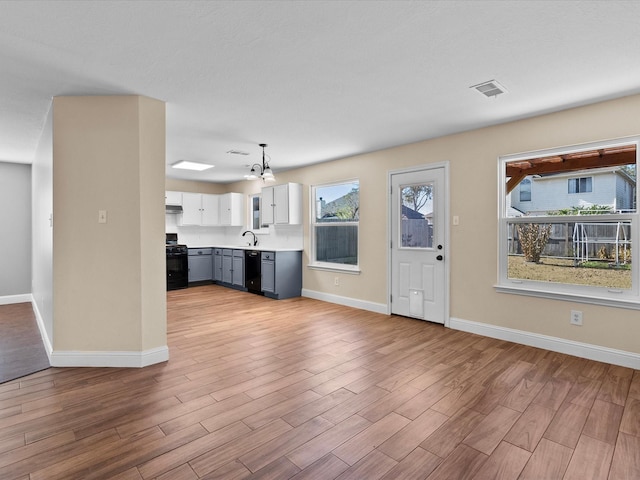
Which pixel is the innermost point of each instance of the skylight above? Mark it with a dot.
(186, 165)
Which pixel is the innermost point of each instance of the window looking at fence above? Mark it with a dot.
(576, 237)
(335, 219)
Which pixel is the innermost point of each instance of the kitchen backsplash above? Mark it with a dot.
(278, 236)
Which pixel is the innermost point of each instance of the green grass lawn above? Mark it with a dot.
(563, 271)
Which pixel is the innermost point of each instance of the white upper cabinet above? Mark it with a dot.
(282, 204)
(231, 209)
(209, 210)
(173, 198)
(200, 209)
(191, 209)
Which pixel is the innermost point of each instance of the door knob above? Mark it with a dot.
(439, 258)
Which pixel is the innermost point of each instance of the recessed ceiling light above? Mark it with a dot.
(186, 165)
(490, 89)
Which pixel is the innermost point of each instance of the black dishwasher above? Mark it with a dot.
(252, 275)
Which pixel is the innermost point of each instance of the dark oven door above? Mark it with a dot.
(177, 270)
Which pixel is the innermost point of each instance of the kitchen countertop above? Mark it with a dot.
(249, 247)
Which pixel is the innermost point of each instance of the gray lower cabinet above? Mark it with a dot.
(268, 272)
(281, 274)
(217, 265)
(237, 270)
(231, 268)
(200, 265)
(227, 265)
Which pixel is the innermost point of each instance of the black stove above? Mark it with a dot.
(176, 249)
(177, 263)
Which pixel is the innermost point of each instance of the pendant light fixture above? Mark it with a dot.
(261, 171)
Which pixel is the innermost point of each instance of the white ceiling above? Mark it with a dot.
(316, 80)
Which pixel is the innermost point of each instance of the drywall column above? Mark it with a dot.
(109, 281)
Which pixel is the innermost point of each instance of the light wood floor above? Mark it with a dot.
(302, 389)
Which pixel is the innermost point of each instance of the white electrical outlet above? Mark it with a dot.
(576, 317)
(336, 281)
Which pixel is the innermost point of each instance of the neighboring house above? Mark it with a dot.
(411, 214)
(612, 187)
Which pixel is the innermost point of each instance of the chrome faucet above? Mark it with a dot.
(255, 239)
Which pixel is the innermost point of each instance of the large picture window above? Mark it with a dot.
(335, 218)
(577, 238)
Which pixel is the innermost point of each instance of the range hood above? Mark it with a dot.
(173, 209)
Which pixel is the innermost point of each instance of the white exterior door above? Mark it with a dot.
(419, 287)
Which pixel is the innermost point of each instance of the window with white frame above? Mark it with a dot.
(580, 185)
(577, 242)
(525, 190)
(255, 201)
(335, 219)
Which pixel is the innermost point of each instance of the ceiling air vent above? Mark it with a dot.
(490, 89)
(237, 152)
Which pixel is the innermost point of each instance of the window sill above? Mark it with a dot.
(351, 269)
(625, 302)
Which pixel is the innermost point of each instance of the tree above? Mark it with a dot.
(533, 238)
(349, 206)
(416, 196)
(630, 170)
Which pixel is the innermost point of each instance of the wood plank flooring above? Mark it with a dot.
(301, 389)
(21, 348)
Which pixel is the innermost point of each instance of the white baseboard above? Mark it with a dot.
(96, 359)
(555, 344)
(43, 331)
(346, 301)
(109, 359)
(9, 299)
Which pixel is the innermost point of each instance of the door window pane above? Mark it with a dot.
(416, 216)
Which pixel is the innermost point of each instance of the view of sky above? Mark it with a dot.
(332, 192)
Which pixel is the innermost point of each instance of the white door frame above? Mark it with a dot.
(446, 226)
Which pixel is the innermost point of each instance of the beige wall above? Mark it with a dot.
(473, 159)
(176, 185)
(108, 279)
(153, 314)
